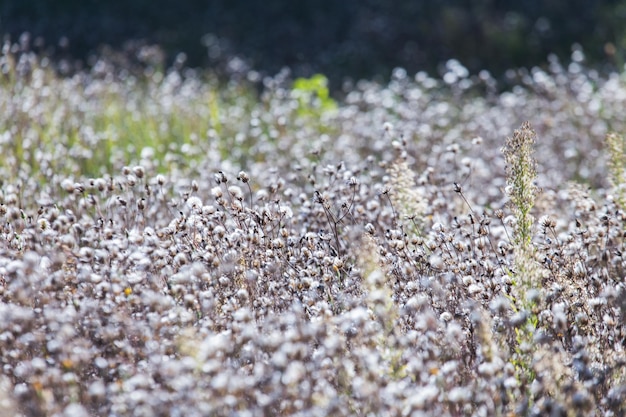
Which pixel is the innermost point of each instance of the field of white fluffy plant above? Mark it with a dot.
(175, 245)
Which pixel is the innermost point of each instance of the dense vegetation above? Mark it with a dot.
(171, 245)
(351, 38)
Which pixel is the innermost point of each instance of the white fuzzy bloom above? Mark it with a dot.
(217, 192)
(286, 212)
(194, 203)
(235, 192)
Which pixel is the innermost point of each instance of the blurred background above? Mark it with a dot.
(342, 39)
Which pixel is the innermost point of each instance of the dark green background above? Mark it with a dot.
(341, 38)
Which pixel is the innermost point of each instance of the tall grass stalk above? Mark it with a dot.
(385, 311)
(521, 174)
(617, 165)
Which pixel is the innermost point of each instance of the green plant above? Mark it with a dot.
(313, 96)
(521, 169)
(521, 174)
